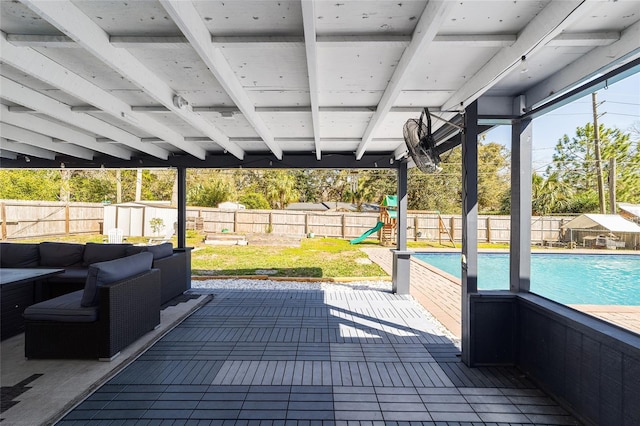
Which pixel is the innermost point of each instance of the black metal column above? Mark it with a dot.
(469, 224)
(520, 239)
(401, 257)
(182, 207)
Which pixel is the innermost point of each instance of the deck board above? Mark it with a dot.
(311, 358)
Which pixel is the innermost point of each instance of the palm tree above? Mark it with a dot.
(280, 188)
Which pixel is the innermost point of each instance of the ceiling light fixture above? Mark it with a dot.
(180, 102)
(523, 65)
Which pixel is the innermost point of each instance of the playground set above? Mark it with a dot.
(387, 223)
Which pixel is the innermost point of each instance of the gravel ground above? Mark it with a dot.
(248, 284)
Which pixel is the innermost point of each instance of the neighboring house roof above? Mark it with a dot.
(230, 205)
(610, 222)
(633, 209)
(307, 207)
(154, 204)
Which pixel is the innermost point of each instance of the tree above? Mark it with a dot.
(493, 176)
(208, 188)
(280, 188)
(30, 184)
(360, 191)
(157, 185)
(550, 195)
(574, 165)
(254, 201)
(442, 191)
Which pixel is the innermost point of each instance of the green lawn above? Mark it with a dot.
(316, 257)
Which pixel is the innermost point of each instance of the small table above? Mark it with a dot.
(17, 291)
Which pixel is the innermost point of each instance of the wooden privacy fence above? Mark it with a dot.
(31, 219)
(421, 226)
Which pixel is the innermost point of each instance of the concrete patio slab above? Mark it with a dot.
(37, 392)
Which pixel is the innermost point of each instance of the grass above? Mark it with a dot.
(316, 257)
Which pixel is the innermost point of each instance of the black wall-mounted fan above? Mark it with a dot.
(420, 143)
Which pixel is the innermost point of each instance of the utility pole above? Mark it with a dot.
(118, 186)
(596, 140)
(612, 185)
(139, 185)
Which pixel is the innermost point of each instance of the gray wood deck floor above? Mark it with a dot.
(312, 358)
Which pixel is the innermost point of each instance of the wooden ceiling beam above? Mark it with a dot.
(311, 49)
(48, 106)
(547, 24)
(187, 18)
(50, 72)
(596, 62)
(59, 131)
(25, 149)
(585, 39)
(65, 16)
(432, 18)
(30, 137)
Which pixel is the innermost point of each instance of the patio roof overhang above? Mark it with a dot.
(217, 84)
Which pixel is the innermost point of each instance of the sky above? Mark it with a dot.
(619, 106)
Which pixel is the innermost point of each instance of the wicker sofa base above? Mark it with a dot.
(128, 309)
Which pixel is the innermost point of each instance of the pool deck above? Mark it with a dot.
(440, 294)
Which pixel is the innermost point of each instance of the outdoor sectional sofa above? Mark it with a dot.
(120, 303)
(75, 259)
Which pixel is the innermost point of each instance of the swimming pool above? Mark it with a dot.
(566, 278)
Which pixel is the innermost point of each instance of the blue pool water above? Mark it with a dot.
(568, 279)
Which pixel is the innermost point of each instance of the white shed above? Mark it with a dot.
(135, 218)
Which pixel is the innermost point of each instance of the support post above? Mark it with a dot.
(469, 225)
(401, 257)
(520, 240)
(182, 206)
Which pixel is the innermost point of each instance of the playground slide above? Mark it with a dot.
(362, 237)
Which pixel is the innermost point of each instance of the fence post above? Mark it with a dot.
(306, 224)
(344, 224)
(270, 222)
(66, 219)
(452, 225)
(415, 228)
(3, 211)
(235, 221)
(489, 229)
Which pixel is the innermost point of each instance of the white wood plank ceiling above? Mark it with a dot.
(95, 79)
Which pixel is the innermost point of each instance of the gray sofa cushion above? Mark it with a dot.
(66, 308)
(161, 250)
(74, 275)
(60, 254)
(111, 271)
(95, 252)
(13, 255)
(135, 250)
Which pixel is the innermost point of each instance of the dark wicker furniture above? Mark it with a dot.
(127, 309)
(17, 291)
(175, 264)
